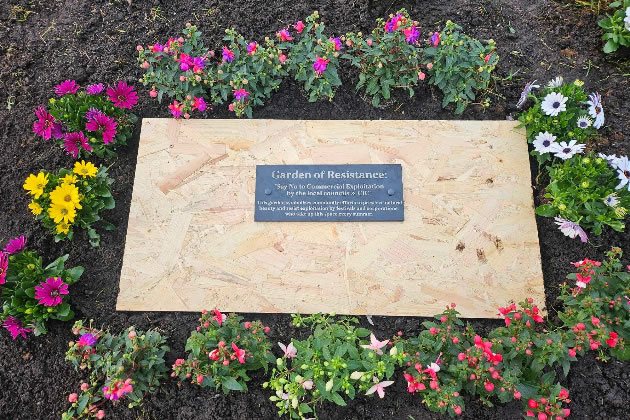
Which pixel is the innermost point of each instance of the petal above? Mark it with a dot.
(371, 390)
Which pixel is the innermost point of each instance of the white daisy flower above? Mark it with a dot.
(570, 229)
(566, 151)
(611, 200)
(554, 103)
(623, 172)
(595, 109)
(545, 143)
(584, 122)
(555, 83)
(526, 91)
(610, 159)
(627, 19)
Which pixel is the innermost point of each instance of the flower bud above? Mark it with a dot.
(329, 385)
(357, 375)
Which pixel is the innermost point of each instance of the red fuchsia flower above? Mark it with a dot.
(66, 87)
(394, 23)
(185, 62)
(15, 327)
(337, 43)
(411, 34)
(375, 344)
(118, 390)
(240, 94)
(94, 89)
(122, 96)
(228, 55)
(73, 142)
(240, 353)
(87, 339)
(251, 48)
(103, 124)
(378, 387)
(4, 265)
(299, 26)
(564, 394)
(157, 47)
(533, 404)
(49, 292)
(289, 351)
(284, 35)
(198, 63)
(214, 354)
(15, 245)
(594, 320)
(489, 386)
(218, 316)
(435, 39)
(44, 125)
(199, 103)
(582, 281)
(612, 339)
(320, 65)
(572, 352)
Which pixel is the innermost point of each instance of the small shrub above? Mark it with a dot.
(71, 199)
(122, 367)
(616, 27)
(30, 293)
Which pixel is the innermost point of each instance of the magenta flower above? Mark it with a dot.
(94, 89)
(15, 245)
(43, 127)
(4, 265)
(87, 340)
(394, 23)
(57, 130)
(251, 48)
(199, 103)
(15, 327)
(176, 109)
(435, 39)
(285, 35)
(299, 26)
(337, 43)
(49, 292)
(228, 55)
(122, 96)
(118, 390)
(320, 65)
(66, 87)
(240, 94)
(105, 125)
(74, 142)
(375, 344)
(198, 63)
(185, 61)
(412, 34)
(92, 112)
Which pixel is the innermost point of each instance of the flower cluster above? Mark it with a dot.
(222, 350)
(122, 367)
(30, 293)
(71, 199)
(616, 27)
(94, 120)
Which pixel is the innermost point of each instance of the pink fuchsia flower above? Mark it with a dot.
(570, 229)
(289, 351)
(379, 387)
(435, 39)
(240, 353)
(218, 316)
(228, 55)
(122, 96)
(4, 265)
(66, 87)
(284, 35)
(198, 63)
(104, 125)
(94, 89)
(73, 142)
(15, 245)
(411, 34)
(375, 344)
(320, 65)
(49, 292)
(15, 327)
(199, 103)
(251, 48)
(299, 26)
(337, 43)
(87, 340)
(394, 23)
(241, 94)
(44, 125)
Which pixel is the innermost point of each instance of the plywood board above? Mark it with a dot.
(469, 234)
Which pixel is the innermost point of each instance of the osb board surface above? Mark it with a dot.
(469, 234)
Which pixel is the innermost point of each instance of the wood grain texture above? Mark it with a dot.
(469, 234)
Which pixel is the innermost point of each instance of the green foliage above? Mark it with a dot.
(128, 365)
(25, 271)
(616, 27)
(222, 351)
(461, 66)
(330, 365)
(579, 190)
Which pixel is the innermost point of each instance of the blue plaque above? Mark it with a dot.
(352, 193)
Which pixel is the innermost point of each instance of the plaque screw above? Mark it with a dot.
(390, 191)
(267, 191)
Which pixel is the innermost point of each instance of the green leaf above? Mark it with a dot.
(76, 273)
(546, 210)
(304, 409)
(232, 384)
(610, 46)
(83, 401)
(337, 399)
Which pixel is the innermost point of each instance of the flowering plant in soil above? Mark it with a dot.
(222, 350)
(70, 199)
(461, 65)
(313, 59)
(561, 120)
(616, 27)
(388, 58)
(583, 191)
(30, 293)
(122, 367)
(333, 363)
(93, 120)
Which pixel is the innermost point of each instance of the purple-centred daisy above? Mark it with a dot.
(15, 327)
(75, 142)
(554, 103)
(610, 159)
(555, 83)
(526, 91)
(103, 124)
(94, 89)
(545, 143)
(15, 245)
(570, 229)
(122, 96)
(4, 266)
(623, 173)
(584, 122)
(43, 127)
(566, 151)
(49, 292)
(595, 109)
(611, 200)
(66, 87)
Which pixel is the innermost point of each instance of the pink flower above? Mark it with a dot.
(289, 351)
(153, 93)
(49, 292)
(240, 94)
(84, 386)
(231, 107)
(132, 334)
(176, 109)
(14, 325)
(582, 281)
(394, 23)
(104, 125)
(94, 89)
(214, 354)
(458, 410)
(199, 103)
(337, 43)
(612, 339)
(87, 340)
(4, 266)
(73, 397)
(299, 26)
(185, 61)
(379, 387)
(489, 386)
(320, 65)
(517, 395)
(487, 58)
(594, 321)
(218, 316)
(564, 394)
(44, 125)
(369, 42)
(282, 58)
(240, 353)
(572, 352)
(15, 245)
(100, 414)
(308, 384)
(411, 34)
(228, 55)
(284, 35)
(435, 39)
(251, 48)
(74, 142)
(122, 96)
(375, 345)
(66, 87)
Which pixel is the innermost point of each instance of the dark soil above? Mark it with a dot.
(95, 42)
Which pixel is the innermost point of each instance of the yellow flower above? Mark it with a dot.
(35, 208)
(66, 193)
(85, 169)
(62, 211)
(69, 179)
(35, 184)
(63, 228)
